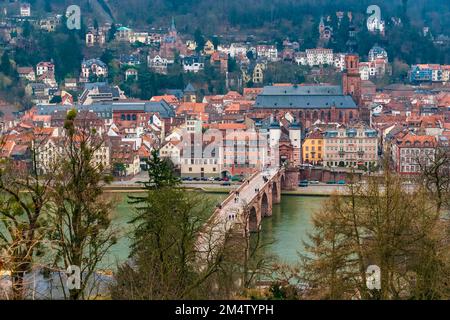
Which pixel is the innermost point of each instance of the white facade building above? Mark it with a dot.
(25, 10)
(270, 52)
(319, 56)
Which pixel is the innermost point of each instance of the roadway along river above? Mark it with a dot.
(284, 231)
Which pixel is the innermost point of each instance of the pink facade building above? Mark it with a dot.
(355, 146)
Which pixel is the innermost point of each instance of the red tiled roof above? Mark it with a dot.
(169, 98)
(410, 140)
(228, 126)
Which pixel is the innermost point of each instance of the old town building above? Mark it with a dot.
(410, 152)
(350, 146)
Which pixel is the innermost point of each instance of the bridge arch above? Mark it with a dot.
(253, 220)
(225, 173)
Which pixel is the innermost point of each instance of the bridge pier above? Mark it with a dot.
(276, 191)
(266, 203)
(291, 178)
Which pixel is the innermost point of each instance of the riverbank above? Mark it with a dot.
(321, 190)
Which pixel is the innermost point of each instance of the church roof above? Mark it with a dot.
(304, 97)
(302, 90)
(161, 107)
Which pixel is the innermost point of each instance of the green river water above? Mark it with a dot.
(285, 231)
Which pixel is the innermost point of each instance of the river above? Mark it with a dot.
(284, 232)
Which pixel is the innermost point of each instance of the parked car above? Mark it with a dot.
(196, 179)
(236, 178)
(331, 182)
(217, 179)
(303, 183)
(225, 179)
(341, 182)
(226, 183)
(211, 179)
(204, 178)
(314, 182)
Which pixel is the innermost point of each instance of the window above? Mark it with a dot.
(190, 169)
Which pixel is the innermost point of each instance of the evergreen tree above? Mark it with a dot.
(27, 29)
(112, 32)
(199, 40)
(5, 64)
(160, 172)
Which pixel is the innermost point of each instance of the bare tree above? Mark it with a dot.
(379, 223)
(81, 212)
(435, 175)
(24, 195)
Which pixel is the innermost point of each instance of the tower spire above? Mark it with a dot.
(172, 27)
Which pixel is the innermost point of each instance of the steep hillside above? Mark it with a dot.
(289, 15)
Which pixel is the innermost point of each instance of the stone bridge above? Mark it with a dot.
(245, 207)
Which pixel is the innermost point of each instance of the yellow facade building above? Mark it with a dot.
(312, 149)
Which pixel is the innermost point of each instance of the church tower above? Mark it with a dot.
(351, 79)
(173, 30)
(321, 26)
(274, 133)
